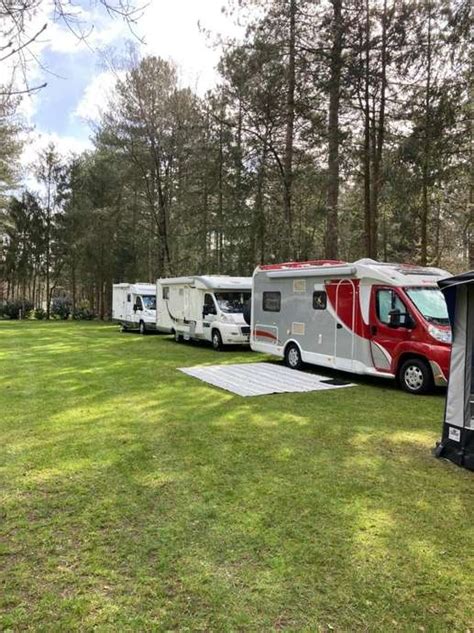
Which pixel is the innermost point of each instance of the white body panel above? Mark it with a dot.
(130, 305)
(181, 302)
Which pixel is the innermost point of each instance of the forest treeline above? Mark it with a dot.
(340, 129)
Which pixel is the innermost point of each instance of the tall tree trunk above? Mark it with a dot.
(205, 223)
(379, 138)
(205, 203)
(48, 247)
(366, 159)
(289, 134)
(332, 219)
(437, 245)
(258, 234)
(241, 254)
(470, 210)
(73, 283)
(470, 228)
(220, 201)
(425, 208)
(33, 290)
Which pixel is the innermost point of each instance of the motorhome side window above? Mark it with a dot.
(166, 292)
(387, 301)
(271, 301)
(319, 300)
(129, 298)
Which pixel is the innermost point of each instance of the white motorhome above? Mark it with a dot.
(207, 308)
(365, 317)
(134, 306)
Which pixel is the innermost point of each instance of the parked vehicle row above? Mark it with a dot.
(366, 317)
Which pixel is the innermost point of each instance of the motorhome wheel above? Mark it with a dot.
(415, 376)
(216, 340)
(293, 357)
(177, 337)
(142, 328)
(123, 328)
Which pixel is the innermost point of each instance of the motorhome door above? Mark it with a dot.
(345, 324)
(384, 336)
(127, 306)
(138, 308)
(209, 314)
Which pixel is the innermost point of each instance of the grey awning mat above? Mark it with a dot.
(258, 379)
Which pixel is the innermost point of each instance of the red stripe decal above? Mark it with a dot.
(264, 334)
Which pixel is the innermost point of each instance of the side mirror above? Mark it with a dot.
(400, 319)
(394, 318)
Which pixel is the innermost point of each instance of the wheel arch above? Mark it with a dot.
(292, 341)
(404, 356)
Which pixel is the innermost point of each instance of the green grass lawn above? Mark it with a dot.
(137, 498)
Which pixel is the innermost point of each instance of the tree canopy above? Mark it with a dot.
(338, 129)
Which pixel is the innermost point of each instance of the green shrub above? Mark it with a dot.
(13, 309)
(83, 314)
(61, 307)
(40, 314)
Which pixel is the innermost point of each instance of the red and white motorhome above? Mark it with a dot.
(365, 317)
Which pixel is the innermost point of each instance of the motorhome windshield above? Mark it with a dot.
(149, 301)
(232, 301)
(430, 302)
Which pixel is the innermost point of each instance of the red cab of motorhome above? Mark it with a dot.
(365, 317)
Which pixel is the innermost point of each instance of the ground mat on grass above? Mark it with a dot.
(258, 379)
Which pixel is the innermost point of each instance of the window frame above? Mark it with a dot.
(395, 295)
(211, 302)
(139, 302)
(265, 297)
(321, 293)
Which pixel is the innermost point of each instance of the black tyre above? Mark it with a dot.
(123, 328)
(217, 340)
(142, 327)
(415, 376)
(293, 357)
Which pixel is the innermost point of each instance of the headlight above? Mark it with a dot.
(444, 336)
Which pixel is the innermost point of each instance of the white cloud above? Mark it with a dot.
(177, 30)
(37, 141)
(88, 30)
(173, 30)
(96, 96)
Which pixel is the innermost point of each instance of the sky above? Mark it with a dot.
(77, 75)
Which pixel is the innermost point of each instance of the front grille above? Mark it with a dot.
(245, 329)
